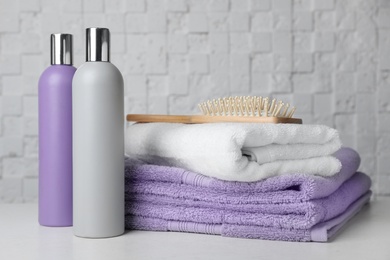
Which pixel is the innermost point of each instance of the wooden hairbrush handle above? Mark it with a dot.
(198, 119)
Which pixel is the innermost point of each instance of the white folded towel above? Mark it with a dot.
(237, 151)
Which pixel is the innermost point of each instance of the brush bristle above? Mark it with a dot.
(246, 106)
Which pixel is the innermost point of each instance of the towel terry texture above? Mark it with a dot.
(322, 232)
(296, 207)
(243, 152)
(290, 215)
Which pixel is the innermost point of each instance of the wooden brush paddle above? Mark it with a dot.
(231, 109)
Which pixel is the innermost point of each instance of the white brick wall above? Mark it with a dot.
(331, 58)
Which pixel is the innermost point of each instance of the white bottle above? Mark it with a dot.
(98, 142)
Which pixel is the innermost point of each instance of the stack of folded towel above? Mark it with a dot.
(279, 182)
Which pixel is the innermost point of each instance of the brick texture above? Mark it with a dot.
(330, 58)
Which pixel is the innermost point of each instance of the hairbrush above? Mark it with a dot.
(251, 109)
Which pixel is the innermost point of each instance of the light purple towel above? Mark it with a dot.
(321, 232)
(279, 189)
(301, 215)
(289, 207)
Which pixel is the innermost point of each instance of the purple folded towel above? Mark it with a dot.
(279, 189)
(321, 232)
(293, 207)
(301, 215)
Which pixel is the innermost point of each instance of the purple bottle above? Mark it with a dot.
(55, 135)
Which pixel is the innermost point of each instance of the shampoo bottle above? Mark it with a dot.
(55, 135)
(98, 142)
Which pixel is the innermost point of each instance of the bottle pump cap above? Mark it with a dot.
(98, 44)
(61, 49)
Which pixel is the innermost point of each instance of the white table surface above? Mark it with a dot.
(367, 236)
